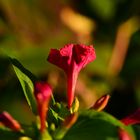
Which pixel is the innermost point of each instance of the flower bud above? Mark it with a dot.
(7, 120)
(134, 118)
(70, 120)
(123, 135)
(101, 103)
(42, 93)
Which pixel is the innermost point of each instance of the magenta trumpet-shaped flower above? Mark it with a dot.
(133, 118)
(7, 120)
(42, 93)
(72, 58)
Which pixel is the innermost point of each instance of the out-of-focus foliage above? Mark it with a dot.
(29, 28)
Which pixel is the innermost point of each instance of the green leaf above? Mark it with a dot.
(56, 115)
(92, 125)
(63, 111)
(7, 134)
(26, 83)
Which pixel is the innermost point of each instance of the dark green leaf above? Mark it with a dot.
(92, 125)
(26, 83)
(57, 113)
(7, 134)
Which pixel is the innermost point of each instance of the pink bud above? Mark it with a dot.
(7, 120)
(101, 103)
(42, 93)
(123, 135)
(132, 119)
(70, 120)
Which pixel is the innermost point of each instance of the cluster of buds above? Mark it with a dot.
(71, 58)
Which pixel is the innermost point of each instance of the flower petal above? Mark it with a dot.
(62, 57)
(83, 54)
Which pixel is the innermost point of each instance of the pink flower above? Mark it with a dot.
(123, 135)
(7, 120)
(132, 119)
(72, 58)
(42, 93)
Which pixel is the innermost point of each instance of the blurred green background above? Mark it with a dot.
(29, 28)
